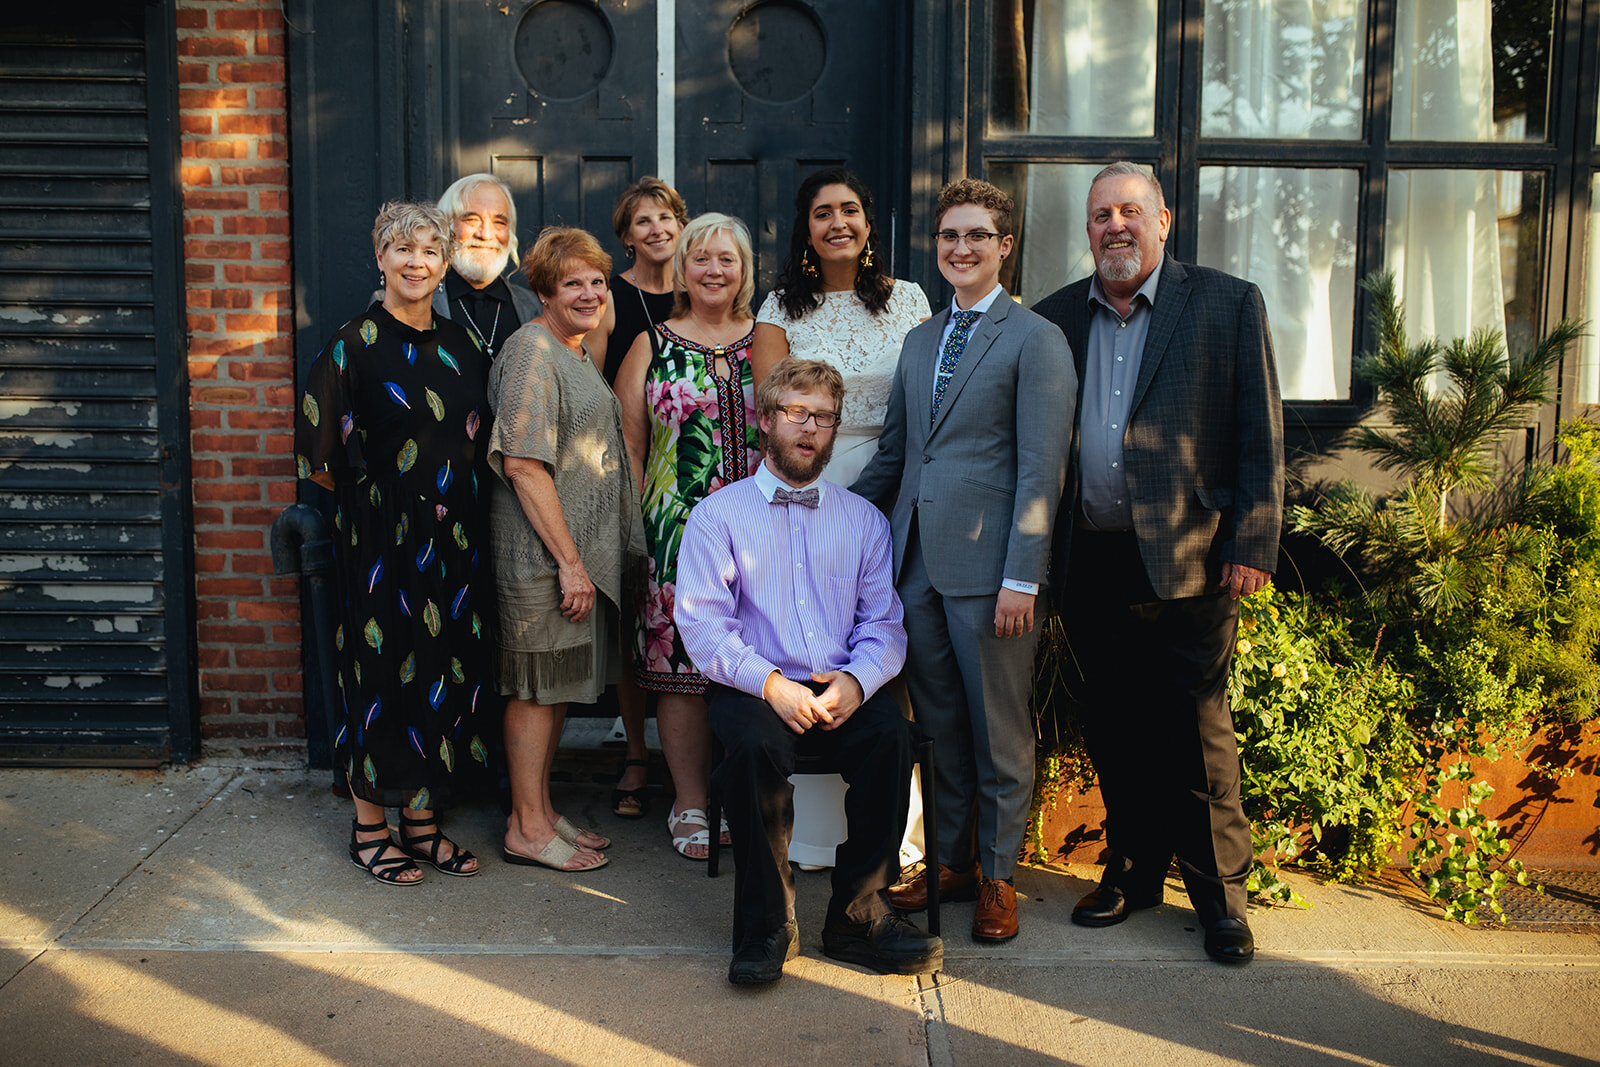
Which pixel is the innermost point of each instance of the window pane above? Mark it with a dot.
(1074, 69)
(1284, 68)
(1052, 247)
(1466, 250)
(1293, 233)
(1472, 70)
(1589, 347)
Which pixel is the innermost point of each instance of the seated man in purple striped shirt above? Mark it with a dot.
(786, 603)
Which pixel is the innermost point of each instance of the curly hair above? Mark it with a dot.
(399, 219)
(803, 376)
(979, 194)
(798, 293)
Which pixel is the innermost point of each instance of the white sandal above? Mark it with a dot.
(701, 837)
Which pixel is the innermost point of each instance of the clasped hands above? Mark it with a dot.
(801, 709)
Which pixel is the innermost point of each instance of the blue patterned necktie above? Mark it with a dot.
(803, 497)
(950, 355)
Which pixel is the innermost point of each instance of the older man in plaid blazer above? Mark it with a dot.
(1176, 505)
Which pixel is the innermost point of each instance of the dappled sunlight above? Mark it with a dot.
(20, 927)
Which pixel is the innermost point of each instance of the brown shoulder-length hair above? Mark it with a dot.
(555, 252)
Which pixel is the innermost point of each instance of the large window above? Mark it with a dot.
(1303, 144)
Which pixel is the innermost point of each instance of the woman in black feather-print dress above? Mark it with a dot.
(393, 419)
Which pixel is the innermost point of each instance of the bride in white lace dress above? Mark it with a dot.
(834, 301)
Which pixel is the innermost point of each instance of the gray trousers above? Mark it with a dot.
(969, 692)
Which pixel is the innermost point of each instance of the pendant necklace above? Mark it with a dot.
(494, 328)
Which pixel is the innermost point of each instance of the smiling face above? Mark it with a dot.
(653, 231)
(578, 302)
(798, 452)
(483, 236)
(838, 224)
(1127, 229)
(412, 266)
(973, 270)
(712, 273)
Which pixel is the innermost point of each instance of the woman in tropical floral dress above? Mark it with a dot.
(391, 421)
(688, 405)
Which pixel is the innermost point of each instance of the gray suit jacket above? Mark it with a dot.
(1203, 447)
(986, 477)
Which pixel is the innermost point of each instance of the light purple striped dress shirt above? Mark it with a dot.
(765, 587)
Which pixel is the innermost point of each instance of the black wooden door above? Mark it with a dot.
(557, 98)
(770, 91)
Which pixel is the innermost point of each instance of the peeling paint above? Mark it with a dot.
(16, 409)
(98, 592)
(21, 315)
(41, 648)
(60, 564)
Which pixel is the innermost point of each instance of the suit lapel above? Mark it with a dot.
(1172, 293)
(984, 333)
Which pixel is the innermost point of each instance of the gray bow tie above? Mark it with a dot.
(804, 497)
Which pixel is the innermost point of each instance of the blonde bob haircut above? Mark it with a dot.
(402, 219)
(559, 251)
(700, 230)
(803, 376)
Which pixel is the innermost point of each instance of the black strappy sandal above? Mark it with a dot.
(435, 841)
(386, 869)
(633, 798)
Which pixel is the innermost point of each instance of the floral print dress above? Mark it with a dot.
(703, 434)
(397, 416)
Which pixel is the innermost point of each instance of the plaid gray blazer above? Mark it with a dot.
(1203, 448)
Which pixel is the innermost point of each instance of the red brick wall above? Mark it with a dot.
(232, 89)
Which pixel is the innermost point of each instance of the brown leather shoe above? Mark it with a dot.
(954, 886)
(996, 917)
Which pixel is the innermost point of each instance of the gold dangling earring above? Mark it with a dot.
(866, 257)
(808, 268)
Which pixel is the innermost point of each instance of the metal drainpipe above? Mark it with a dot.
(301, 544)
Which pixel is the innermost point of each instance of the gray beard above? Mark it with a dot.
(1122, 267)
(470, 264)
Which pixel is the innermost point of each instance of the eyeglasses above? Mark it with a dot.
(975, 239)
(795, 413)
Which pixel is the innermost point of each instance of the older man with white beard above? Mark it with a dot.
(477, 292)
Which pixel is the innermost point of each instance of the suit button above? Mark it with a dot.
(927, 459)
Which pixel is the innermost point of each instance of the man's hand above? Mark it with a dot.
(795, 704)
(1013, 613)
(1242, 581)
(842, 697)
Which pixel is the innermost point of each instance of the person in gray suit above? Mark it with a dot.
(1175, 510)
(970, 468)
(477, 292)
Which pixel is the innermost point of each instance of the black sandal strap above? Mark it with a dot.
(413, 846)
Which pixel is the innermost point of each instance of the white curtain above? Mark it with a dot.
(1442, 233)
(1091, 72)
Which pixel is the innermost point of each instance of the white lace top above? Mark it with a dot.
(865, 347)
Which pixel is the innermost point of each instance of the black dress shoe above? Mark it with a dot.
(1108, 905)
(888, 945)
(760, 959)
(1229, 941)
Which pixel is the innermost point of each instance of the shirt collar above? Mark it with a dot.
(1097, 295)
(456, 287)
(982, 305)
(770, 483)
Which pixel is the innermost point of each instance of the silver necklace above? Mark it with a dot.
(494, 328)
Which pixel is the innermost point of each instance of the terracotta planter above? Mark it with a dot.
(1553, 821)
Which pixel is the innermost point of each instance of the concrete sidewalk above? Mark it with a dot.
(208, 915)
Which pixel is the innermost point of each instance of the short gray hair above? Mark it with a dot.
(404, 218)
(1124, 169)
(453, 202)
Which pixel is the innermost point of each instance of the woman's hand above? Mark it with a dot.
(577, 591)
